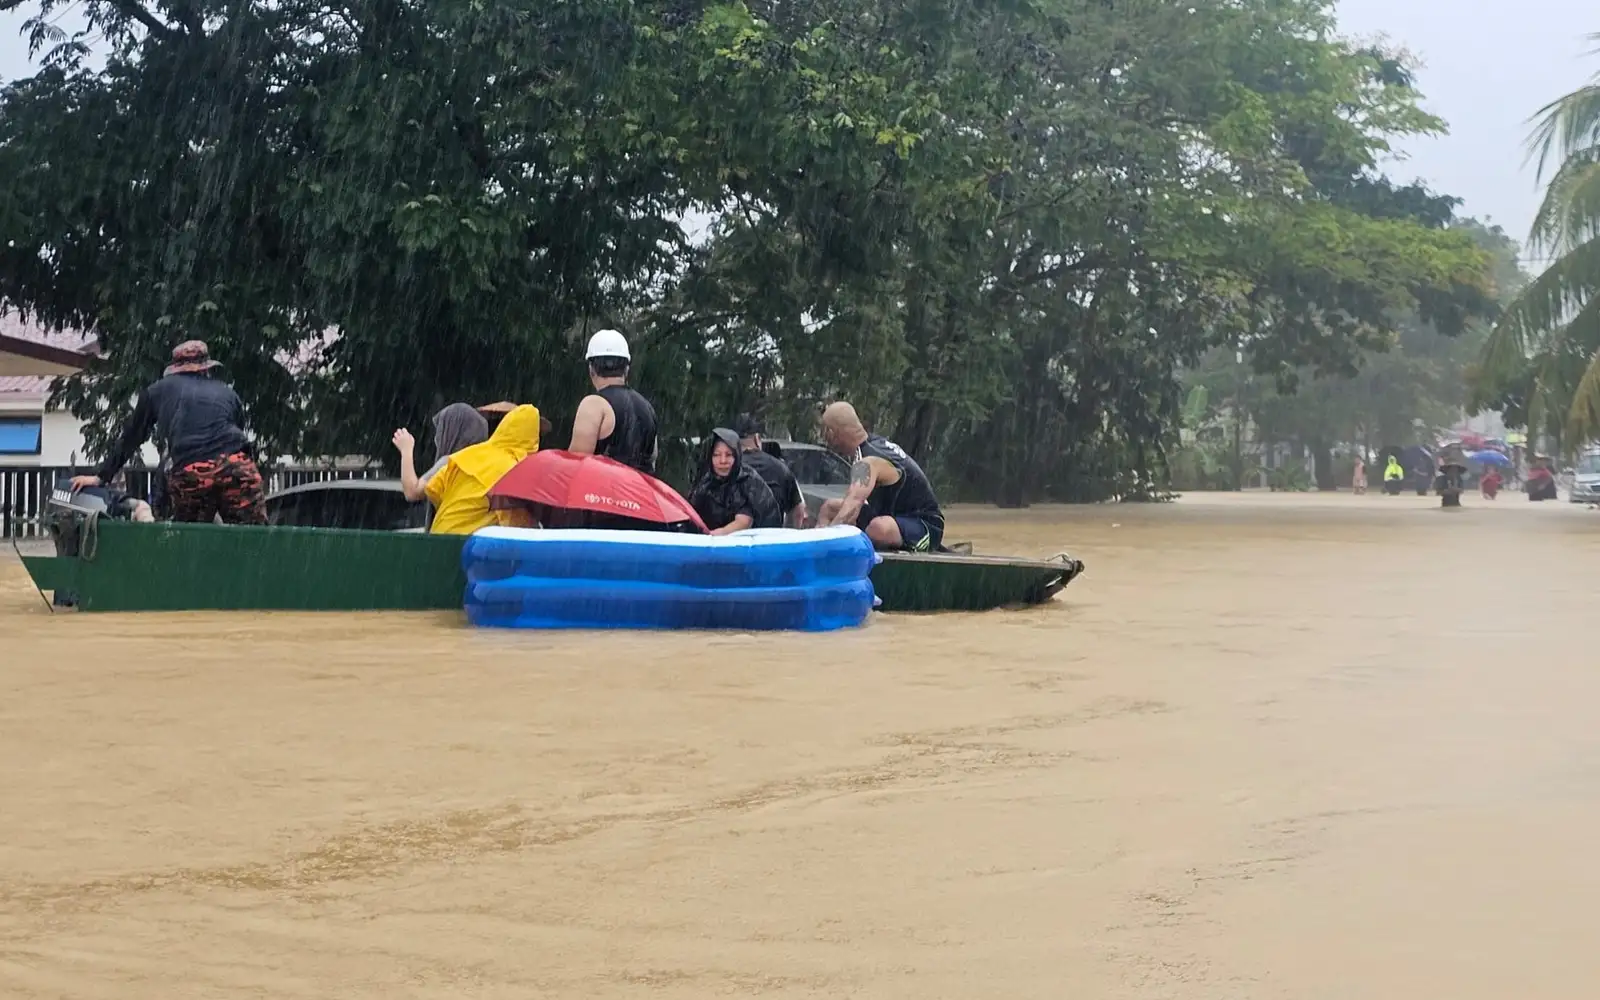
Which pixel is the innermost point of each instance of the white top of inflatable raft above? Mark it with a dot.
(763, 537)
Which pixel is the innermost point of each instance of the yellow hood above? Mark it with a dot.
(516, 438)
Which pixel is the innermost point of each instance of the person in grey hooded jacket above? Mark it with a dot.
(729, 496)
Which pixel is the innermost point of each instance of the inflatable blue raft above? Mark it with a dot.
(772, 578)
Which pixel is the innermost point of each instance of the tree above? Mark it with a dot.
(1543, 360)
(373, 208)
(1000, 229)
(1424, 379)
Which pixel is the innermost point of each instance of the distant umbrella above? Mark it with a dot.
(1489, 458)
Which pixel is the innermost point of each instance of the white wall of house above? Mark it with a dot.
(60, 439)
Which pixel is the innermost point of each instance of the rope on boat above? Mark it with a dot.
(89, 543)
(1075, 566)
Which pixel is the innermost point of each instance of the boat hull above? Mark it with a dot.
(208, 567)
(948, 582)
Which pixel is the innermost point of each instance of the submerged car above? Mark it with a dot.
(372, 504)
(820, 473)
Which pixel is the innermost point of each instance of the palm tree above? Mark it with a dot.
(1553, 324)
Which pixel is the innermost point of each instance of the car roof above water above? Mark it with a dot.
(387, 485)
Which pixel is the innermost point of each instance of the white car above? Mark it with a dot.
(1586, 479)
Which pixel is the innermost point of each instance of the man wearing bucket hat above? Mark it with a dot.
(614, 421)
(201, 422)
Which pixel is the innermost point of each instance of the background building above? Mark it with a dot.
(32, 434)
(40, 445)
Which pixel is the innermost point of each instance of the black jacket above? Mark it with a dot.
(195, 416)
(718, 500)
(775, 472)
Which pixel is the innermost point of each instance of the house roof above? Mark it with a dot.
(30, 356)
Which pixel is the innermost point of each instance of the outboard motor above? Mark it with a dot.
(70, 518)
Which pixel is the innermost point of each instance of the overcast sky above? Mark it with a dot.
(1487, 65)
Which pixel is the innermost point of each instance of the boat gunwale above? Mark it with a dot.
(1069, 565)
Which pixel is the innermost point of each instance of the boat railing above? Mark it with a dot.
(25, 490)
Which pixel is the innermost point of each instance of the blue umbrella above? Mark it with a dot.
(1489, 457)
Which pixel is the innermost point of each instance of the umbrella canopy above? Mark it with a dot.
(1489, 458)
(591, 483)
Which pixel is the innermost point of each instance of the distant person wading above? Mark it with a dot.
(1394, 476)
(201, 420)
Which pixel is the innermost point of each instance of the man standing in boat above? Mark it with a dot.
(774, 471)
(202, 422)
(889, 497)
(614, 421)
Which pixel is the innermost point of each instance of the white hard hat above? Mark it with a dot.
(608, 344)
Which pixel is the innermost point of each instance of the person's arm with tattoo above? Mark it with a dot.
(866, 475)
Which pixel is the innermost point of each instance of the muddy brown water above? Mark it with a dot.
(1268, 746)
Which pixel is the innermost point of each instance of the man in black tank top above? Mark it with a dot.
(615, 421)
(889, 497)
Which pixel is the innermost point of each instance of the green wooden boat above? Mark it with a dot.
(122, 566)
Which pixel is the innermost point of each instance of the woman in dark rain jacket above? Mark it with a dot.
(729, 496)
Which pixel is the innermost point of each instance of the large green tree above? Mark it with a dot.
(1112, 192)
(372, 208)
(1422, 378)
(1001, 229)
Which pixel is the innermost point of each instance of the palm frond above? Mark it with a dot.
(1551, 299)
(1554, 321)
(1566, 125)
(1583, 417)
(1560, 365)
(1505, 351)
(1555, 378)
(1570, 213)
(1581, 336)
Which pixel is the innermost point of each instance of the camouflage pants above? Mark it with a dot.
(229, 486)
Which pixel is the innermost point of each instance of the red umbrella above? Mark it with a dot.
(589, 482)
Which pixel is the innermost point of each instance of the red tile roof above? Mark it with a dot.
(12, 325)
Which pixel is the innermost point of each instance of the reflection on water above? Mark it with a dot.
(1267, 746)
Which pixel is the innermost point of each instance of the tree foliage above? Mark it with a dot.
(1000, 228)
(1542, 363)
(1397, 395)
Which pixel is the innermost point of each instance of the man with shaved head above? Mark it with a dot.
(889, 497)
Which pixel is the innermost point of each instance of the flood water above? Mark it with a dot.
(1267, 746)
